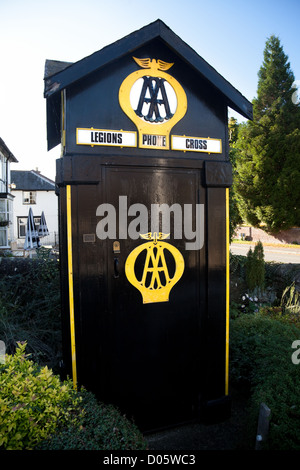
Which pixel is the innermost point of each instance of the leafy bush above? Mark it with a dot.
(30, 308)
(290, 300)
(38, 411)
(32, 402)
(261, 350)
(289, 308)
(102, 427)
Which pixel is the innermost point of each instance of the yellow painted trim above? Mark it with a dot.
(71, 291)
(227, 293)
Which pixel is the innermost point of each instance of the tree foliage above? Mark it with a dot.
(267, 176)
(255, 268)
(234, 215)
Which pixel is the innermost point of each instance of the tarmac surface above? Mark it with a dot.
(279, 254)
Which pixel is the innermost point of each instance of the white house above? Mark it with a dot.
(6, 198)
(32, 189)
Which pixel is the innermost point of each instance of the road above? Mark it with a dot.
(278, 254)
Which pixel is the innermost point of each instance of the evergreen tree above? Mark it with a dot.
(255, 268)
(234, 215)
(267, 179)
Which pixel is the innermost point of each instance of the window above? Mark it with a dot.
(3, 237)
(3, 164)
(5, 209)
(4, 221)
(22, 224)
(29, 197)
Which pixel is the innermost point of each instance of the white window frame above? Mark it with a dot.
(22, 222)
(29, 197)
(5, 217)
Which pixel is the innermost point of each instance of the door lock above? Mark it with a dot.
(116, 247)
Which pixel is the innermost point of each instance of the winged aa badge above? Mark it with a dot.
(156, 280)
(154, 64)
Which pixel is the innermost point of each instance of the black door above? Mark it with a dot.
(151, 363)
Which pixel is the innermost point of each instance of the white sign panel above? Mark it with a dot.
(105, 137)
(196, 144)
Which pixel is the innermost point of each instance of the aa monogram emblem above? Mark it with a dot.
(154, 100)
(156, 281)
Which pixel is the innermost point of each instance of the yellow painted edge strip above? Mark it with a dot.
(227, 293)
(71, 291)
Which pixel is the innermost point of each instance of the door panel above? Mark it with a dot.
(153, 356)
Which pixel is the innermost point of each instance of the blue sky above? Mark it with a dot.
(230, 35)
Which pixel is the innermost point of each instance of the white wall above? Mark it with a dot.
(45, 201)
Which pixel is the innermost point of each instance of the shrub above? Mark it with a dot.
(38, 411)
(102, 427)
(30, 308)
(255, 268)
(261, 350)
(289, 308)
(290, 300)
(32, 402)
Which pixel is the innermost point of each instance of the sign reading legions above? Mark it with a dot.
(104, 137)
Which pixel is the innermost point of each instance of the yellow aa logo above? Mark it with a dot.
(156, 281)
(146, 96)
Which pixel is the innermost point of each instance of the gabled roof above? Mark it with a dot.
(67, 74)
(6, 152)
(31, 181)
(52, 67)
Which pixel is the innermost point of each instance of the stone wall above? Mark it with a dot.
(290, 236)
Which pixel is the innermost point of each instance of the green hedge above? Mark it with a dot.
(30, 308)
(102, 427)
(261, 357)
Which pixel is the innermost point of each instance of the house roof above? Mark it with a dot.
(60, 75)
(31, 181)
(6, 152)
(52, 67)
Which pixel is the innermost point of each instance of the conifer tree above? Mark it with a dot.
(255, 268)
(267, 178)
(234, 215)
